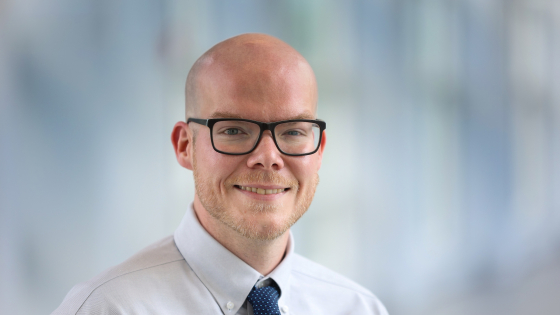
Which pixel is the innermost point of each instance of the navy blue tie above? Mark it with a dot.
(264, 300)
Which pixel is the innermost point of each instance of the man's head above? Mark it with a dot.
(256, 77)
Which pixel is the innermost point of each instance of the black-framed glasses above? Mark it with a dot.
(295, 137)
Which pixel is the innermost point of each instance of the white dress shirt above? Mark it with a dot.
(191, 273)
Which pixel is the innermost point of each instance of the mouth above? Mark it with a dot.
(262, 191)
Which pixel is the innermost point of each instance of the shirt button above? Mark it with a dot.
(230, 305)
(284, 309)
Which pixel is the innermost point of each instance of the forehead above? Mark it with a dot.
(265, 112)
(264, 93)
(222, 114)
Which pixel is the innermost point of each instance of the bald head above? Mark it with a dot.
(252, 67)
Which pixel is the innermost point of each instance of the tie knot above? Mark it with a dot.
(264, 300)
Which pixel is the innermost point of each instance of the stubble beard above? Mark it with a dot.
(209, 198)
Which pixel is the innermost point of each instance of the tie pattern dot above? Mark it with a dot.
(264, 300)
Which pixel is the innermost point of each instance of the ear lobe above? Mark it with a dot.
(181, 138)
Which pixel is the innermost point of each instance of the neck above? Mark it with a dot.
(261, 255)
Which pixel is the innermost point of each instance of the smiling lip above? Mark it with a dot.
(262, 190)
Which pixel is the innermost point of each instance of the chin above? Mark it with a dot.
(264, 234)
(263, 220)
(263, 226)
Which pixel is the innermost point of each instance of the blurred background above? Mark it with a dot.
(440, 185)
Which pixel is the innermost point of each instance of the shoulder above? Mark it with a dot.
(150, 262)
(323, 286)
(318, 273)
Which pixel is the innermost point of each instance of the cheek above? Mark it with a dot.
(212, 164)
(305, 169)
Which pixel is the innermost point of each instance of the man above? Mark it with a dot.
(254, 145)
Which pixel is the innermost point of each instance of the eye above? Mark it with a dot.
(232, 131)
(293, 133)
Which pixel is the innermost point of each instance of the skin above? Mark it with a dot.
(257, 77)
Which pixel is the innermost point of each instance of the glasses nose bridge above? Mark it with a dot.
(269, 127)
(266, 127)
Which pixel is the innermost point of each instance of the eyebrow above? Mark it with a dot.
(235, 116)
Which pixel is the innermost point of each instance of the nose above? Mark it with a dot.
(266, 155)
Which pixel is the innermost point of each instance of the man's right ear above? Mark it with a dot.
(181, 137)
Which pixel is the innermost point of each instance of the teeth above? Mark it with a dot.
(261, 191)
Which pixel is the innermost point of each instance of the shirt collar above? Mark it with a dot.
(228, 278)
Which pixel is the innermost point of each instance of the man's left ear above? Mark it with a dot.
(322, 147)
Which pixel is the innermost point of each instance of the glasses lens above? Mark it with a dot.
(298, 137)
(232, 136)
